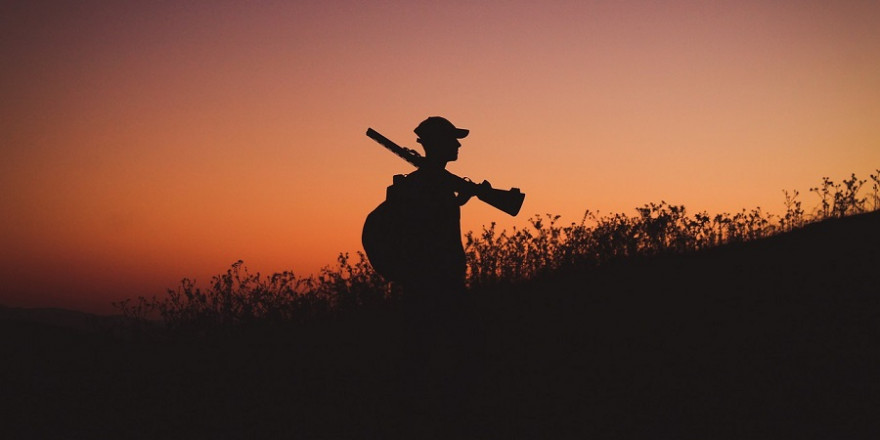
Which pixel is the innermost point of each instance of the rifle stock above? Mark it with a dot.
(509, 201)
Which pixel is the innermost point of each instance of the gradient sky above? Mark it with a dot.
(148, 141)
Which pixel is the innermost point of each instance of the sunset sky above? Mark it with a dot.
(144, 142)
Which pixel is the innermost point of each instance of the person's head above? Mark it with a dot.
(439, 138)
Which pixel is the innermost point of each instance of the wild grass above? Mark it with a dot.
(239, 299)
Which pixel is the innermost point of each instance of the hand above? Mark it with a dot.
(483, 188)
(472, 189)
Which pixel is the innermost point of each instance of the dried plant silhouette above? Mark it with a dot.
(493, 258)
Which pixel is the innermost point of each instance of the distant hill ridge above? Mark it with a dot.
(50, 316)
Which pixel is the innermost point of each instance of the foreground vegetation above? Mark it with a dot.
(770, 338)
(239, 299)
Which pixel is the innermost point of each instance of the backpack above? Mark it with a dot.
(385, 236)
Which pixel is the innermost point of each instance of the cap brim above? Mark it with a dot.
(461, 133)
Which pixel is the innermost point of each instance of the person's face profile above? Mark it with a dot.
(445, 148)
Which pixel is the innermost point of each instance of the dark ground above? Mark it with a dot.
(770, 339)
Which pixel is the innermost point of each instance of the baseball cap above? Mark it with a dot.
(439, 127)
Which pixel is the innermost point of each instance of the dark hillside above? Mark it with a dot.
(768, 339)
(62, 318)
(775, 338)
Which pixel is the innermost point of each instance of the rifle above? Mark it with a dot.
(509, 201)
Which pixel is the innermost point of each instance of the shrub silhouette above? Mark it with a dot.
(841, 199)
(239, 299)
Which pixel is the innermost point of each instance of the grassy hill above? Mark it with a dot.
(774, 338)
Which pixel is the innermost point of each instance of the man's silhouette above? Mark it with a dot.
(429, 201)
(414, 239)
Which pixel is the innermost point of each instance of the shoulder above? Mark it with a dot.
(416, 181)
(418, 175)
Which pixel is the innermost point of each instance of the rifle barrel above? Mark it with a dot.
(407, 154)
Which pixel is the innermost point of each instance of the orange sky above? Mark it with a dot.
(147, 142)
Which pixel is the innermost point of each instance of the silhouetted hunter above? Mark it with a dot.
(414, 237)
